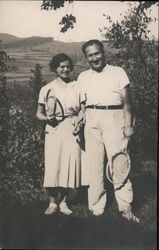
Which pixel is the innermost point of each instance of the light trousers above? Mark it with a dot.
(104, 134)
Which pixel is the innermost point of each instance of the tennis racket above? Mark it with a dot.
(117, 170)
(54, 109)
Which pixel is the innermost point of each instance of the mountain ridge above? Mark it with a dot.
(46, 45)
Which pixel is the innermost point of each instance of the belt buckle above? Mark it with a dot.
(94, 106)
(107, 107)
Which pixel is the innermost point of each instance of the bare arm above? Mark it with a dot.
(81, 115)
(80, 119)
(41, 114)
(128, 111)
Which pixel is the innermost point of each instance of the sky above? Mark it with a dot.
(25, 18)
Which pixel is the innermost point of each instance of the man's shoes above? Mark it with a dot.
(130, 216)
(51, 209)
(64, 208)
(98, 212)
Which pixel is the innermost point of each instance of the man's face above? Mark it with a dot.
(95, 57)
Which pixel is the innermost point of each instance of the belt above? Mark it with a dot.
(105, 107)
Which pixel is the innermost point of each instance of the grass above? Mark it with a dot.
(24, 225)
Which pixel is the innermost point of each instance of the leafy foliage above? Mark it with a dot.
(138, 54)
(36, 81)
(53, 4)
(21, 145)
(67, 20)
(4, 104)
(3, 120)
(22, 174)
(6, 62)
(3, 59)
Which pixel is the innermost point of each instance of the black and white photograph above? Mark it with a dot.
(78, 124)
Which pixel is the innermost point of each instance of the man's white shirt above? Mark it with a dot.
(102, 88)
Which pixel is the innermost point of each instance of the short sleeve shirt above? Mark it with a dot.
(43, 92)
(67, 94)
(103, 88)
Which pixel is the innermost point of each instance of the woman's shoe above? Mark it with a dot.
(51, 209)
(64, 208)
(98, 212)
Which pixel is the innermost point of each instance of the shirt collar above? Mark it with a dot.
(94, 71)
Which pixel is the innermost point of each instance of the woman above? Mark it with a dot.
(62, 150)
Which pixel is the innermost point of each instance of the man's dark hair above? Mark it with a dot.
(92, 42)
(56, 60)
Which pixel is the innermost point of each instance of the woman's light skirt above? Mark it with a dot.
(64, 160)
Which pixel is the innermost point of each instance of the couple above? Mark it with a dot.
(101, 98)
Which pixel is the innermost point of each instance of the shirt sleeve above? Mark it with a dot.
(51, 93)
(124, 80)
(41, 99)
(82, 94)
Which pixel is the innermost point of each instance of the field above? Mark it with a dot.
(23, 199)
(25, 61)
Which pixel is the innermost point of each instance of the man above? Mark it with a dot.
(105, 91)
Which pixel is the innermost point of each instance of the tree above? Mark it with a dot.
(4, 104)
(137, 53)
(36, 81)
(7, 64)
(68, 20)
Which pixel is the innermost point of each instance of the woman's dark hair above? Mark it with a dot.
(56, 60)
(90, 43)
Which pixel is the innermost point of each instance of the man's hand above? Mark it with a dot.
(76, 129)
(128, 132)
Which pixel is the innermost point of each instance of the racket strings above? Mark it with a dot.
(120, 164)
(118, 170)
(54, 108)
(51, 106)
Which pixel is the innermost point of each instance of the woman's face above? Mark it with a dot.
(63, 70)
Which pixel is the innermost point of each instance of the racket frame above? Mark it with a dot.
(53, 115)
(109, 167)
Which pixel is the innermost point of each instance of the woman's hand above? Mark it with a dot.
(48, 117)
(51, 120)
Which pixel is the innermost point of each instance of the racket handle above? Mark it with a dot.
(53, 122)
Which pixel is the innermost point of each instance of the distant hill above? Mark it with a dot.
(47, 45)
(7, 38)
(27, 43)
(27, 52)
(55, 47)
(37, 43)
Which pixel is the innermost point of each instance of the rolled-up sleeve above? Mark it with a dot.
(41, 99)
(124, 80)
(82, 93)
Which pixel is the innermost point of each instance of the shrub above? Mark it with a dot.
(138, 55)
